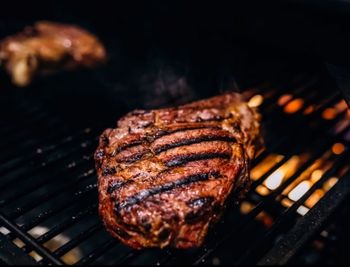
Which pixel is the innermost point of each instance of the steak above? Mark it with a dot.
(164, 176)
(49, 47)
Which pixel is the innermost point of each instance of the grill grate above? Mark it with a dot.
(48, 203)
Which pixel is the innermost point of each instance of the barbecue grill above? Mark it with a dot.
(49, 131)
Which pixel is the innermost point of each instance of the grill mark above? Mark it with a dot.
(117, 185)
(108, 171)
(128, 145)
(157, 135)
(123, 234)
(183, 159)
(215, 118)
(199, 202)
(163, 188)
(194, 140)
(134, 157)
(105, 140)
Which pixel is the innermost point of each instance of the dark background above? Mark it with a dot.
(164, 53)
(315, 27)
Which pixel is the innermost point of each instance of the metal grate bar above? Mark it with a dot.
(46, 196)
(292, 242)
(59, 156)
(97, 252)
(30, 153)
(287, 213)
(66, 223)
(48, 213)
(259, 207)
(29, 240)
(34, 186)
(78, 239)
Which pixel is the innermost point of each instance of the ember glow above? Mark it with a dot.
(294, 106)
(329, 114)
(284, 99)
(284, 172)
(274, 180)
(338, 148)
(265, 165)
(309, 110)
(256, 101)
(299, 190)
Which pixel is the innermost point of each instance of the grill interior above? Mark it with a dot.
(48, 184)
(49, 131)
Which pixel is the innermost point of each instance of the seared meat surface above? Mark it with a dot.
(47, 47)
(165, 175)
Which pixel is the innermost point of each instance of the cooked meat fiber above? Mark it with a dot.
(165, 175)
(47, 47)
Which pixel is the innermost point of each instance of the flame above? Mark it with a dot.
(18, 242)
(294, 106)
(4, 230)
(341, 106)
(256, 101)
(338, 148)
(275, 179)
(314, 198)
(262, 190)
(265, 218)
(287, 202)
(284, 99)
(316, 175)
(302, 210)
(329, 114)
(265, 165)
(246, 207)
(299, 190)
(309, 110)
(330, 183)
(71, 257)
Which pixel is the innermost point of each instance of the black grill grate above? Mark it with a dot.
(48, 203)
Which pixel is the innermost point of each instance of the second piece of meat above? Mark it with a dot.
(47, 47)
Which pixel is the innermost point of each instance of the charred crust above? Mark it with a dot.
(195, 140)
(183, 159)
(146, 225)
(202, 207)
(199, 202)
(214, 118)
(105, 140)
(99, 154)
(126, 146)
(135, 157)
(116, 185)
(164, 234)
(108, 171)
(152, 137)
(130, 201)
(123, 234)
(196, 216)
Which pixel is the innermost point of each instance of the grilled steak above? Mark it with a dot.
(165, 175)
(47, 47)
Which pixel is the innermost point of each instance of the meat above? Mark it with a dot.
(47, 47)
(165, 176)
